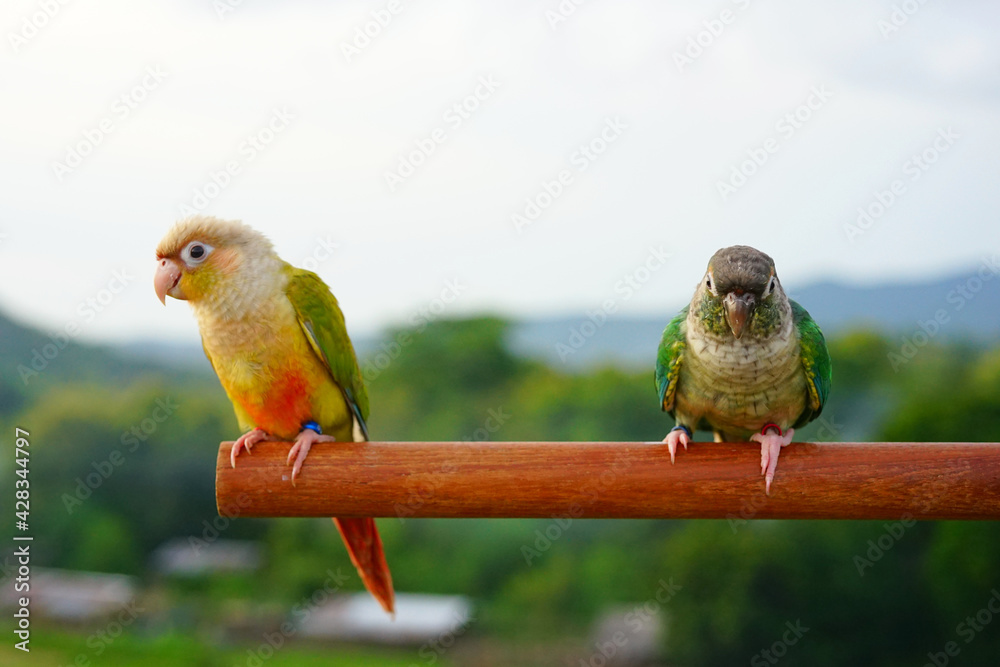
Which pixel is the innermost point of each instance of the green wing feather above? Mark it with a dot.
(815, 362)
(668, 360)
(323, 324)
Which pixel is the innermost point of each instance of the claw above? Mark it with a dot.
(674, 437)
(300, 450)
(770, 448)
(246, 441)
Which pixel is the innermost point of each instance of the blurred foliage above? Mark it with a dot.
(51, 647)
(741, 584)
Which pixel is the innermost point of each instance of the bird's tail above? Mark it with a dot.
(365, 548)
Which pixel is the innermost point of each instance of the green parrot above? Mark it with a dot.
(276, 338)
(742, 359)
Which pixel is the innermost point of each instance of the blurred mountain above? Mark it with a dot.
(178, 355)
(33, 361)
(966, 306)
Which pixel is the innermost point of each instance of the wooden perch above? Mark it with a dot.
(895, 480)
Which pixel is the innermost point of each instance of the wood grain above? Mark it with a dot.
(614, 480)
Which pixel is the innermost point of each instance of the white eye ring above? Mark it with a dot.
(196, 252)
(771, 285)
(708, 283)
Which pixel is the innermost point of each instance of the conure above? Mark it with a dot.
(742, 360)
(276, 338)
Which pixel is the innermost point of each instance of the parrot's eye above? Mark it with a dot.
(771, 285)
(195, 252)
(708, 282)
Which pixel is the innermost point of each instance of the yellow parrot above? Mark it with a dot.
(276, 338)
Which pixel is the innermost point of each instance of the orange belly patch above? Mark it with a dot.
(283, 406)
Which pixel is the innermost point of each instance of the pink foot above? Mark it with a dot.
(770, 448)
(246, 441)
(673, 438)
(307, 438)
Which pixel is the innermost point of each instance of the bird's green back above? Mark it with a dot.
(668, 359)
(815, 363)
(323, 323)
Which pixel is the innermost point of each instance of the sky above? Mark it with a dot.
(443, 158)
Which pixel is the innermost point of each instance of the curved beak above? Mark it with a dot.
(738, 307)
(168, 274)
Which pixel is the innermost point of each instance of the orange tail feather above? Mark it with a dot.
(365, 548)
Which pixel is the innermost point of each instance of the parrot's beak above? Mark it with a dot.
(168, 274)
(738, 309)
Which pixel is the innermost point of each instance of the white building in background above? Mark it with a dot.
(435, 621)
(625, 636)
(71, 596)
(189, 558)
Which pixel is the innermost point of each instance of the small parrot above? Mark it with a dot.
(742, 359)
(276, 338)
